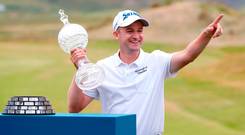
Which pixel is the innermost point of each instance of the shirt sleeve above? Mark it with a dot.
(92, 93)
(164, 61)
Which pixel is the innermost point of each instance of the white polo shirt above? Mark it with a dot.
(136, 88)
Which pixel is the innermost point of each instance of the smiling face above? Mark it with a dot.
(130, 37)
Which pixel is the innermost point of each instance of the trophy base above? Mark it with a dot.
(89, 76)
(28, 105)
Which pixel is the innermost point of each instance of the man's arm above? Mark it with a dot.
(192, 51)
(77, 101)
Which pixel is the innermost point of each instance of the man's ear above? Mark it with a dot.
(115, 34)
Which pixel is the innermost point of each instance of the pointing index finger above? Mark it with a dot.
(217, 19)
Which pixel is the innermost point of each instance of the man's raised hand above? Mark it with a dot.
(214, 29)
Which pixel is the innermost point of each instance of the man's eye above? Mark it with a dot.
(140, 30)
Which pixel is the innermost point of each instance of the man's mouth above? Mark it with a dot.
(135, 42)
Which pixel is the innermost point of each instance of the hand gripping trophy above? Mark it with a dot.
(88, 75)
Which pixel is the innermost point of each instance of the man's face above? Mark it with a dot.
(130, 37)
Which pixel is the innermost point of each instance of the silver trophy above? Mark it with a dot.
(88, 76)
(28, 105)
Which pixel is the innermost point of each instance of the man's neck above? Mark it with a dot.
(129, 57)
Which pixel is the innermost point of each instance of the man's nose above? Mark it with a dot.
(136, 35)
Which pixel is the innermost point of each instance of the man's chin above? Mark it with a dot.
(136, 46)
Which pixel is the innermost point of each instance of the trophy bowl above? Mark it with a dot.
(72, 36)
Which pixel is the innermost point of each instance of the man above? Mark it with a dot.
(134, 79)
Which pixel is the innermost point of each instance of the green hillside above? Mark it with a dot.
(42, 6)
